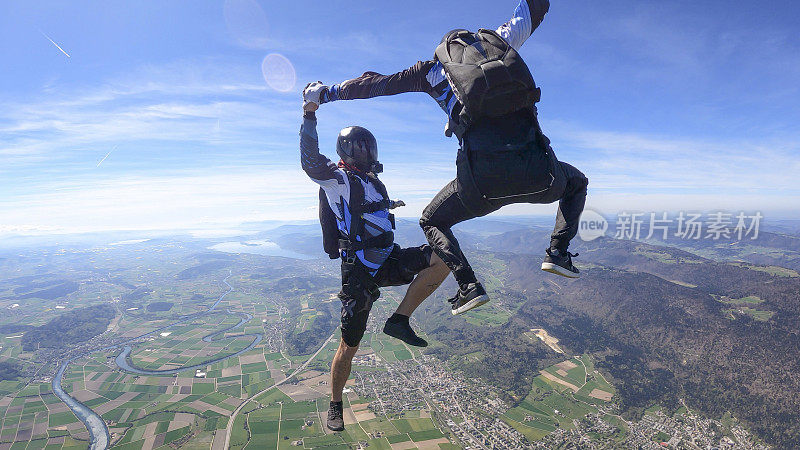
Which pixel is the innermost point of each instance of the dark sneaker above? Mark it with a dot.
(469, 297)
(335, 417)
(404, 332)
(560, 263)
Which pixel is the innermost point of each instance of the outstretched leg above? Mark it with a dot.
(356, 304)
(444, 211)
(423, 286)
(340, 369)
(340, 372)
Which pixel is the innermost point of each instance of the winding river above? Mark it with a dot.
(99, 437)
(125, 363)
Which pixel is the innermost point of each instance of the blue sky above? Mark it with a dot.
(678, 105)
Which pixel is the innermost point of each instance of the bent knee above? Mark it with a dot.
(582, 183)
(576, 180)
(423, 222)
(426, 223)
(428, 217)
(583, 178)
(434, 216)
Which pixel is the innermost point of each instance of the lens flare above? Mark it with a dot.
(278, 72)
(247, 22)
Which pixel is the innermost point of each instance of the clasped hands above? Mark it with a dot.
(312, 94)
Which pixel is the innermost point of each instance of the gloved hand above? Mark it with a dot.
(311, 95)
(396, 204)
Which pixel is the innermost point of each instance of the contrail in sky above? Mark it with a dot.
(104, 157)
(54, 43)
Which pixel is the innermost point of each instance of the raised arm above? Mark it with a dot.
(373, 84)
(317, 166)
(527, 17)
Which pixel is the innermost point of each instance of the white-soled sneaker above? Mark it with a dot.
(468, 298)
(560, 263)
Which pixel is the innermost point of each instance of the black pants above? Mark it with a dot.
(491, 176)
(360, 290)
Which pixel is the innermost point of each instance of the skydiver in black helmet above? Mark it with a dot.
(489, 96)
(362, 232)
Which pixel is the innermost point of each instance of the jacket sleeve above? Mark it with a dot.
(373, 84)
(317, 166)
(527, 17)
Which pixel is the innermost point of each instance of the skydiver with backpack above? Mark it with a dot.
(489, 96)
(357, 227)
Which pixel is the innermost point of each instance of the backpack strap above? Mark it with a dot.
(356, 218)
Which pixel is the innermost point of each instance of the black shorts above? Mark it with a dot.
(400, 268)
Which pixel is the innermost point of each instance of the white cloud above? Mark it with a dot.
(641, 163)
(65, 128)
(50, 148)
(166, 202)
(47, 146)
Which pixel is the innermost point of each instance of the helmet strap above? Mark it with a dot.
(344, 165)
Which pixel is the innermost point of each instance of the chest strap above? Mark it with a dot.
(373, 207)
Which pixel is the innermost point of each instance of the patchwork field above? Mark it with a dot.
(276, 394)
(294, 415)
(567, 391)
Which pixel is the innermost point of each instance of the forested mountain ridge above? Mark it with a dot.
(70, 328)
(668, 324)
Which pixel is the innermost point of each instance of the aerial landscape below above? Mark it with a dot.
(168, 343)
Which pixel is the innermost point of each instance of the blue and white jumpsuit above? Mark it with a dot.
(389, 266)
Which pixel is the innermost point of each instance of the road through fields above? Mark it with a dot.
(229, 428)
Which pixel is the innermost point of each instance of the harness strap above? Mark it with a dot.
(382, 240)
(357, 196)
(373, 207)
(355, 269)
(358, 207)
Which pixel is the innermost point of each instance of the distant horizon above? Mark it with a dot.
(253, 228)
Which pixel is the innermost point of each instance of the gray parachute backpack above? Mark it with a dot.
(488, 77)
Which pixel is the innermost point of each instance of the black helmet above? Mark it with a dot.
(358, 148)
